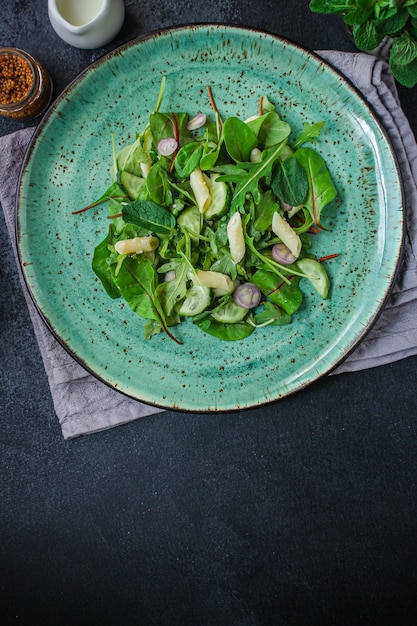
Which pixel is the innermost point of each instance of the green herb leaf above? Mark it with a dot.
(272, 131)
(359, 15)
(405, 74)
(158, 185)
(149, 215)
(102, 267)
(290, 182)
(321, 188)
(188, 158)
(271, 315)
(330, 6)
(394, 24)
(287, 295)
(172, 292)
(137, 282)
(226, 332)
(366, 36)
(403, 50)
(239, 139)
(249, 181)
(310, 133)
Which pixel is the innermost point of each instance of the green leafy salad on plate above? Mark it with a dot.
(210, 220)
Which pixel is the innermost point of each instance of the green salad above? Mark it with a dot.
(210, 220)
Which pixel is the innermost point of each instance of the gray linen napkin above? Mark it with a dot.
(85, 405)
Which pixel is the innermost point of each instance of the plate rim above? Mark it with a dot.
(188, 27)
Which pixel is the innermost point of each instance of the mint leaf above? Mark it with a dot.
(403, 50)
(394, 24)
(149, 215)
(289, 182)
(359, 15)
(366, 36)
(331, 6)
(405, 74)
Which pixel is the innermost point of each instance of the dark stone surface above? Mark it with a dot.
(303, 512)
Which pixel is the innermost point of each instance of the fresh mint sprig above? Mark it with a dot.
(373, 20)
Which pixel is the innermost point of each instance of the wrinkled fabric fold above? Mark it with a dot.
(84, 404)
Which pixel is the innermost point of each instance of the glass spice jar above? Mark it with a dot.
(25, 85)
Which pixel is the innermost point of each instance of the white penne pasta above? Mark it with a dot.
(286, 233)
(200, 189)
(137, 245)
(215, 280)
(235, 236)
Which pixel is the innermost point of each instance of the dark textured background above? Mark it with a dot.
(303, 512)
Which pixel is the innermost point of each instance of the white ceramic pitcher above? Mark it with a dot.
(86, 23)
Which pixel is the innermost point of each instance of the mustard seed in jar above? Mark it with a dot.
(25, 85)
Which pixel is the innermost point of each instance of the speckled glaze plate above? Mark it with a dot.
(68, 165)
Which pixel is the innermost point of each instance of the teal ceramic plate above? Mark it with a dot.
(68, 165)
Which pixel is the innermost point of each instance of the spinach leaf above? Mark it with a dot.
(239, 139)
(164, 125)
(271, 315)
(131, 156)
(188, 158)
(158, 185)
(172, 292)
(137, 281)
(265, 210)
(149, 215)
(321, 188)
(273, 130)
(287, 296)
(226, 332)
(101, 265)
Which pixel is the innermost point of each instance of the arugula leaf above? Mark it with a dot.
(149, 215)
(310, 133)
(248, 182)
